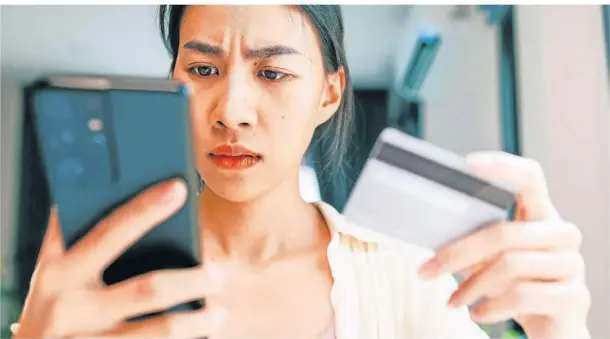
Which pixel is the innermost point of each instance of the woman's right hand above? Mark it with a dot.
(67, 297)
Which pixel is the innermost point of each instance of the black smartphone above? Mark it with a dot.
(102, 140)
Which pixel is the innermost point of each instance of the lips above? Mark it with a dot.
(234, 157)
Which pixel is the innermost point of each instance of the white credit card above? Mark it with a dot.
(422, 194)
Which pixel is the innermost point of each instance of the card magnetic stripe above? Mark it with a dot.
(452, 178)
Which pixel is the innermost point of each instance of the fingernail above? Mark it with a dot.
(430, 269)
(173, 191)
(477, 314)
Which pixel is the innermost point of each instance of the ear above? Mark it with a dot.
(331, 95)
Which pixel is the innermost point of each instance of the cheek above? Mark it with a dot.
(294, 102)
(288, 117)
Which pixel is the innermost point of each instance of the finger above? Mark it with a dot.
(533, 298)
(124, 226)
(513, 266)
(179, 325)
(158, 291)
(86, 311)
(526, 175)
(76, 311)
(52, 247)
(472, 270)
(491, 241)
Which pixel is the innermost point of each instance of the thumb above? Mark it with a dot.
(52, 247)
(524, 175)
(53, 242)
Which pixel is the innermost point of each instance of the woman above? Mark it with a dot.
(263, 80)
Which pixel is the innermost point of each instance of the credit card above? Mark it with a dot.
(422, 194)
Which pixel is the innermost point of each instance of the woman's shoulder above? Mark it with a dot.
(364, 254)
(361, 240)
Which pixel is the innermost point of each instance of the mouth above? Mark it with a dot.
(234, 157)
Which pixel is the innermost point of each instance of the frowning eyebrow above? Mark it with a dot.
(270, 51)
(259, 53)
(204, 48)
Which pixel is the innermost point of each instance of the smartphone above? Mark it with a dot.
(102, 140)
(417, 192)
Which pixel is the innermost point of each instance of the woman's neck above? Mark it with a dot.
(258, 232)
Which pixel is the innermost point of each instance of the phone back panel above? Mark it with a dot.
(101, 147)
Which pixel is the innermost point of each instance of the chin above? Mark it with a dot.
(236, 188)
(237, 193)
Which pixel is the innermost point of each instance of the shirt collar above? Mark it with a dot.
(339, 225)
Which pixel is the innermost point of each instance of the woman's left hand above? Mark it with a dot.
(529, 270)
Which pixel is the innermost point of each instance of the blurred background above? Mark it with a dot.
(530, 80)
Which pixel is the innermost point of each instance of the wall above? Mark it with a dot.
(461, 91)
(372, 33)
(565, 109)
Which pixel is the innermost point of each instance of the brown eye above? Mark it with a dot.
(204, 71)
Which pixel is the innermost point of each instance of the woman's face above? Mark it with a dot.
(259, 90)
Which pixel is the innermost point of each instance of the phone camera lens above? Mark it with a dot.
(67, 137)
(71, 169)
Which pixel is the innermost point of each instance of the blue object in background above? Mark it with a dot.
(423, 55)
(410, 119)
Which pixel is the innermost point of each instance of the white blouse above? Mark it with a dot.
(377, 292)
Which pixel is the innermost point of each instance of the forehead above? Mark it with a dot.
(254, 26)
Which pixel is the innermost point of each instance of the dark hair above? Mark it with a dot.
(331, 140)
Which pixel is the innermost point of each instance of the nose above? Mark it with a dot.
(235, 110)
